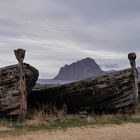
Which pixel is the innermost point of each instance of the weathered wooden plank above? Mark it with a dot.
(139, 89)
(132, 58)
(20, 54)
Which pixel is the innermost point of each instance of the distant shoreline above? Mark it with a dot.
(52, 81)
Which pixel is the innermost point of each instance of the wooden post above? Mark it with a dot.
(20, 54)
(132, 58)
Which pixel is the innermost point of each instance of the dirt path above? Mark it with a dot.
(108, 132)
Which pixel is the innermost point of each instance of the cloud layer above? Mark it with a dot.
(58, 32)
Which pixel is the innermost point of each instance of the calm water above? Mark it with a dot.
(51, 81)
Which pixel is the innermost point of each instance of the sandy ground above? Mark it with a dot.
(108, 132)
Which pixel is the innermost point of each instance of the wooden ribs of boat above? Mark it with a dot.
(139, 89)
(105, 94)
(16, 81)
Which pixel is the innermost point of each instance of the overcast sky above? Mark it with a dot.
(58, 32)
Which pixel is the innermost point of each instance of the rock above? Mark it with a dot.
(79, 70)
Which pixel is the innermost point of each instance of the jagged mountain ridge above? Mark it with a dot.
(79, 70)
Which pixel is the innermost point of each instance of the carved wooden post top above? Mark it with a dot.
(20, 55)
(132, 58)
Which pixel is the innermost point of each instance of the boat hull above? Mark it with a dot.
(105, 94)
(10, 94)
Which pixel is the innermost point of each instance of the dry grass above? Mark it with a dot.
(47, 113)
(49, 118)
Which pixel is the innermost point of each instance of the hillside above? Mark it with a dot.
(79, 70)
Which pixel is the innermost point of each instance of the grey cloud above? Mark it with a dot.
(59, 32)
(110, 66)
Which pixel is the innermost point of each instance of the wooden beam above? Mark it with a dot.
(20, 55)
(132, 58)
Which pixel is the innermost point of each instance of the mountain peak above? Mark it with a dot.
(88, 59)
(79, 70)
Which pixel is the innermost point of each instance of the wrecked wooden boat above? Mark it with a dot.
(16, 81)
(115, 92)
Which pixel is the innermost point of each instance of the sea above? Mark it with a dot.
(52, 81)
